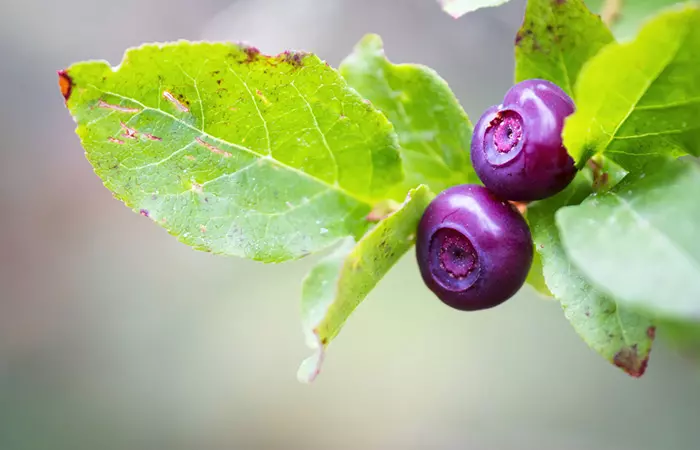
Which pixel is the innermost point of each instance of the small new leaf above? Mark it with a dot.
(434, 131)
(339, 283)
(555, 41)
(618, 334)
(638, 102)
(639, 241)
(232, 151)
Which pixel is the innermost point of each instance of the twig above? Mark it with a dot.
(520, 206)
(612, 9)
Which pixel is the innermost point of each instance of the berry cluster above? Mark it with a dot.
(474, 248)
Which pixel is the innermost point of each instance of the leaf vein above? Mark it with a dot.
(658, 233)
(686, 102)
(257, 108)
(672, 55)
(318, 128)
(238, 146)
(157, 163)
(656, 133)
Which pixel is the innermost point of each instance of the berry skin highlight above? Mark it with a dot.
(474, 250)
(517, 149)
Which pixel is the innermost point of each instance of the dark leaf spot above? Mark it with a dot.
(252, 53)
(294, 58)
(651, 332)
(628, 360)
(65, 83)
(518, 37)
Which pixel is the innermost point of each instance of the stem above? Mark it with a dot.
(520, 206)
(611, 12)
(600, 176)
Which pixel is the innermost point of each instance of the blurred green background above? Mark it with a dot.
(115, 336)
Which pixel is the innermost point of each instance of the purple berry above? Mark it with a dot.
(517, 149)
(473, 249)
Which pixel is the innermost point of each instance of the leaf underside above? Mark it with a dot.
(617, 333)
(639, 241)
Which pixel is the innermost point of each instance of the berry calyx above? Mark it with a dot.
(474, 250)
(517, 149)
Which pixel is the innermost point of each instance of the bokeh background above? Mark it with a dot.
(115, 336)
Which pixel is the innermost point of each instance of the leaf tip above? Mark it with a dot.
(370, 44)
(452, 8)
(65, 83)
(373, 40)
(629, 360)
(311, 366)
(458, 8)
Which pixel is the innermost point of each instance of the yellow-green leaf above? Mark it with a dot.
(434, 131)
(557, 38)
(232, 151)
(619, 334)
(339, 283)
(639, 102)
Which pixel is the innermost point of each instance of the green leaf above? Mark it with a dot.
(682, 336)
(434, 131)
(627, 15)
(458, 8)
(638, 102)
(556, 40)
(337, 285)
(232, 151)
(639, 241)
(536, 276)
(620, 335)
(605, 173)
